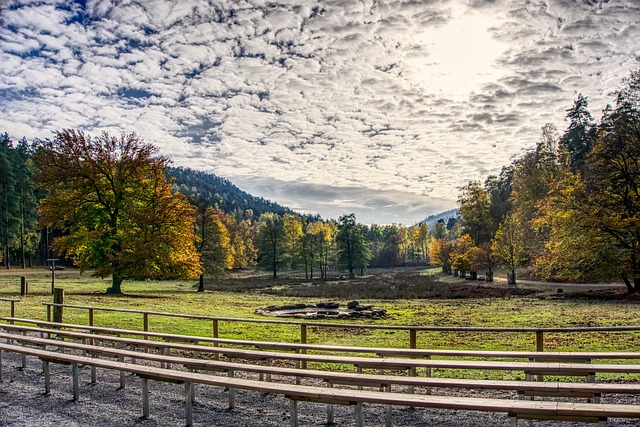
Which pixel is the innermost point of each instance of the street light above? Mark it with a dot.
(53, 272)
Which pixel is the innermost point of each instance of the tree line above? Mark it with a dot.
(567, 210)
(112, 204)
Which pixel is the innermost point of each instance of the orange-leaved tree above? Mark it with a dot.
(117, 210)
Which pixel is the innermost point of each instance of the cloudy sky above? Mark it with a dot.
(384, 108)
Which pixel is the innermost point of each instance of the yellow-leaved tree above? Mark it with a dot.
(116, 208)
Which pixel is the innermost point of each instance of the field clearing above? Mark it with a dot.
(493, 305)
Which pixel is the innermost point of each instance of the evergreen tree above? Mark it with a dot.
(580, 135)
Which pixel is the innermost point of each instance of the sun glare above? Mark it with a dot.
(461, 55)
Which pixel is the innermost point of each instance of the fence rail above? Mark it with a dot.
(539, 333)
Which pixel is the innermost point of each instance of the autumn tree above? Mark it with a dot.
(576, 249)
(481, 258)
(499, 189)
(612, 179)
(353, 250)
(459, 258)
(508, 246)
(474, 210)
(534, 176)
(271, 237)
(292, 250)
(214, 243)
(325, 238)
(118, 211)
(242, 235)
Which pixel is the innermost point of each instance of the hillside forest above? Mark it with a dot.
(566, 210)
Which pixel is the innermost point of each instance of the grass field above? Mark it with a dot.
(482, 307)
(443, 303)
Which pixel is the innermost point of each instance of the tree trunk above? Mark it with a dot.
(489, 275)
(116, 286)
(201, 284)
(631, 288)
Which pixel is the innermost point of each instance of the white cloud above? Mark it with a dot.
(308, 96)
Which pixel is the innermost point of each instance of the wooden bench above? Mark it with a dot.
(345, 378)
(390, 363)
(586, 357)
(587, 412)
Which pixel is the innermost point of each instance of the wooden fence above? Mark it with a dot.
(538, 334)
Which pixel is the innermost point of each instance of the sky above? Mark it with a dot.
(385, 109)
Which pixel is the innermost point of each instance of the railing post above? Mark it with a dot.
(413, 343)
(216, 334)
(413, 340)
(303, 340)
(58, 298)
(91, 317)
(145, 324)
(540, 347)
(48, 313)
(539, 341)
(23, 286)
(13, 309)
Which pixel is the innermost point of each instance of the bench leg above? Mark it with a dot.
(74, 373)
(359, 371)
(359, 420)
(232, 394)
(188, 403)
(516, 422)
(428, 375)
(122, 382)
(412, 373)
(0, 365)
(387, 409)
(329, 406)
(267, 378)
(293, 407)
(145, 398)
(47, 377)
(298, 379)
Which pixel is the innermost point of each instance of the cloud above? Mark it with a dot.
(342, 95)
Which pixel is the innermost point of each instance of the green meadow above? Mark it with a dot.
(536, 310)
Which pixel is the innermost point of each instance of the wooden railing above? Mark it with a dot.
(538, 333)
(13, 304)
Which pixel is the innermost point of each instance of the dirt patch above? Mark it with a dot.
(397, 283)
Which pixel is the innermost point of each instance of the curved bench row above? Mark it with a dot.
(588, 412)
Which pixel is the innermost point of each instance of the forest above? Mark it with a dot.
(566, 210)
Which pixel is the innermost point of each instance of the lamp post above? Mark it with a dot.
(53, 272)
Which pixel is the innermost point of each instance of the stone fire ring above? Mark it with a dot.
(323, 310)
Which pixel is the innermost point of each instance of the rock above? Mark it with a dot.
(328, 304)
(363, 307)
(352, 305)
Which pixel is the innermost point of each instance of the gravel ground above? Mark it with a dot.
(23, 404)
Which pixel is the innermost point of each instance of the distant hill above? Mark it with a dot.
(432, 219)
(205, 187)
